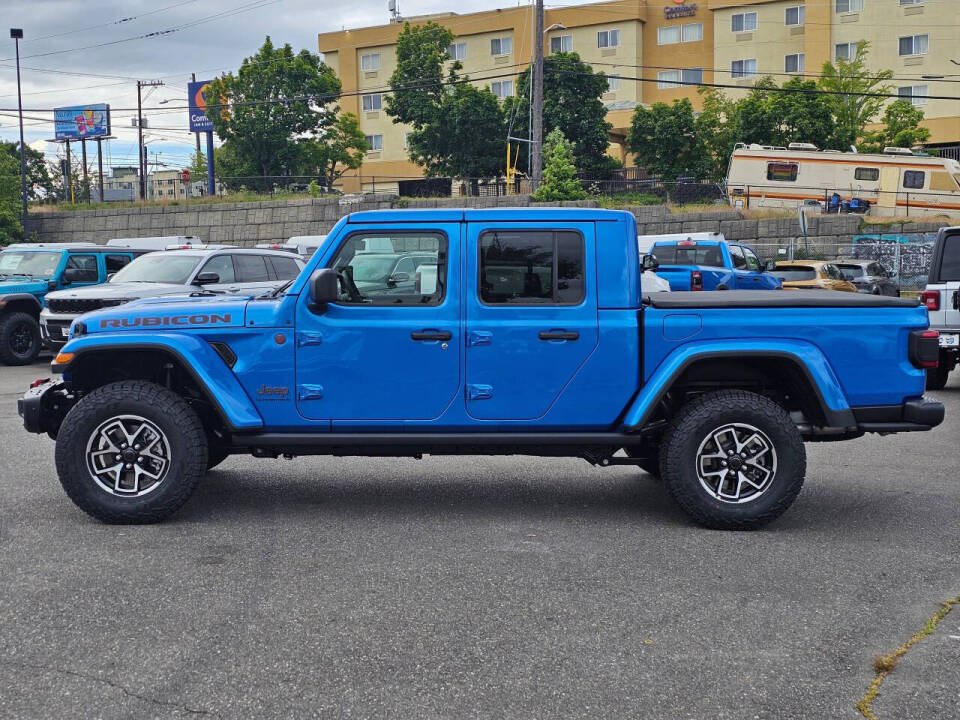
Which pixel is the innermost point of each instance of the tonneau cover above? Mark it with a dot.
(771, 298)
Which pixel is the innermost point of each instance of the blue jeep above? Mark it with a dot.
(527, 332)
(29, 271)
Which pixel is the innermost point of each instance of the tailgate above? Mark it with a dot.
(677, 275)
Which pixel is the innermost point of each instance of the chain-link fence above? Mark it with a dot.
(906, 257)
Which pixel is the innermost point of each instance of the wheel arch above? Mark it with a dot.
(20, 302)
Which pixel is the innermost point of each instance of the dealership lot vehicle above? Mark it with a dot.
(212, 269)
(869, 276)
(31, 271)
(534, 337)
(712, 265)
(811, 275)
(942, 299)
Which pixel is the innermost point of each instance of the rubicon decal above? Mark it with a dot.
(153, 321)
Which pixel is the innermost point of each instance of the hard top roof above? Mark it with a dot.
(511, 214)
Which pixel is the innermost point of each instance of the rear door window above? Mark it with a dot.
(950, 263)
(115, 262)
(284, 268)
(531, 267)
(251, 268)
(86, 265)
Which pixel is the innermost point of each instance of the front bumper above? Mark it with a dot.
(914, 415)
(43, 407)
(54, 328)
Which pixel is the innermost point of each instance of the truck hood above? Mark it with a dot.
(13, 286)
(168, 313)
(109, 291)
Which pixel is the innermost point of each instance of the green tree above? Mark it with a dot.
(717, 130)
(665, 141)
(559, 171)
(276, 101)
(10, 227)
(852, 110)
(341, 147)
(457, 129)
(571, 102)
(39, 183)
(234, 170)
(198, 165)
(901, 128)
(801, 114)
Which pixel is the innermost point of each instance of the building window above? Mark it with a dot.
(561, 43)
(793, 63)
(845, 51)
(914, 45)
(692, 75)
(667, 79)
(783, 172)
(916, 94)
(693, 32)
(913, 179)
(867, 174)
(370, 62)
(743, 68)
(743, 22)
(458, 51)
(501, 46)
(608, 38)
(406, 139)
(613, 83)
(849, 6)
(795, 15)
(912, 2)
(375, 142)
(372, 102)
(669, 35)
(502, 88)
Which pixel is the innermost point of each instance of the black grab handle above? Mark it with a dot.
(431, 335)
(558, 335)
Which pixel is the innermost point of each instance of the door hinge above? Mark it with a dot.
(309, 338)
(309, 392)
(479, 392)
(479, 337)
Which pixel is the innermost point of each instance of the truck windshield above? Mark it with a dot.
(30, 263)
(795, 274)
(171, 268)
(708, 255)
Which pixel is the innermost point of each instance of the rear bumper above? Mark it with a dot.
(914, 415)
(43, 407)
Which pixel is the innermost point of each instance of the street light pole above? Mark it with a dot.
(536, 141)
(17, 35)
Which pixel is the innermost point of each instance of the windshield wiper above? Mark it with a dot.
(277, 291)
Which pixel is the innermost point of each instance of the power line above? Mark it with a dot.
(119, 21)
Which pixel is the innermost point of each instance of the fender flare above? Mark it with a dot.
(17, 297)
(195, 355)
(806, 356)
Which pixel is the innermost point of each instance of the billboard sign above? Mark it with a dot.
(81, 121)
(199, 122)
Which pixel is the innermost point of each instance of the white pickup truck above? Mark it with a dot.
(942, 298)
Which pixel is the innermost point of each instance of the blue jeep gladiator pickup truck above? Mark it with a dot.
(712, 265)
(528, 333)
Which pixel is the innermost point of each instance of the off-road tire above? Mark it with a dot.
(12, 325)
(937, 377)
(695, 422)
(160, 406)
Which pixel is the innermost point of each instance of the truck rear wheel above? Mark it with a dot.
(937, 377)
(733, 460)
(19, 339)
(131, 452)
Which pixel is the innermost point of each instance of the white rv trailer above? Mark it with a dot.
(895, 182)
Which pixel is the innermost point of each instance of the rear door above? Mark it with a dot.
(531, 315)
(949, 276)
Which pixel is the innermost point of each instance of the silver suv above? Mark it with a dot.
(226, 270)
(942, 298)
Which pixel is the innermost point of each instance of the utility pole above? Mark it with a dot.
(536, 101)
(16, 34)
(143, 165)
(193, 79)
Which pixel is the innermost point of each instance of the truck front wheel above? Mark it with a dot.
(19, 339)
(131, 452)
(733, 460)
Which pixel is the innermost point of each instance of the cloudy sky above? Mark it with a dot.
(77, 52)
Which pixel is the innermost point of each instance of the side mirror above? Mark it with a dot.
(324, 287)
(769, 265)
(207, 278)
(70, 275)
(649, 262)
(110, 276)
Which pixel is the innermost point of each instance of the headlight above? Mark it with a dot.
(116, 301)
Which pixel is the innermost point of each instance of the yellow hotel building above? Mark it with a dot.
(647, 46)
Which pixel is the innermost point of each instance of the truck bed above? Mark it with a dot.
(773, 299)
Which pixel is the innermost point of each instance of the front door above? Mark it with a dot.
(389, 348)
(889, 184)
(531, 311)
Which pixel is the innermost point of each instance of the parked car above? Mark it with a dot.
(869, 276)
(942, 300)
(712, 265)
(213, 269)
(157, 242)
(811, 275)
(29, 272)
(533, 337)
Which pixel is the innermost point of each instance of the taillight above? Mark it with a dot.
(696, 280)
(39, 382)
(930, 299)
(925, 348)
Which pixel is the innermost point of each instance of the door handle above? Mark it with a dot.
(428, 335)
(558, 335)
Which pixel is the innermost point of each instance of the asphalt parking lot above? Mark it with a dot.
(476, 587)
